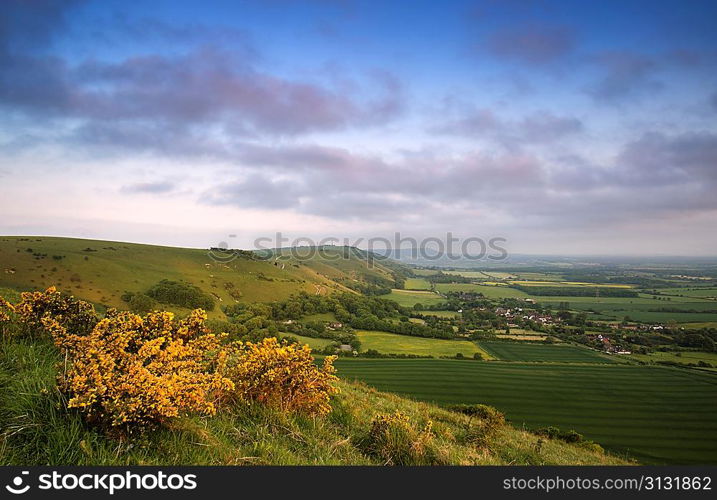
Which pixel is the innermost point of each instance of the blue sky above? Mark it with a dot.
(565, 127)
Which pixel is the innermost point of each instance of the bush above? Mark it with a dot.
(181, 294)
(280, 375)
(134, 372)
(72, 314)
(555, 433)
(396, 441)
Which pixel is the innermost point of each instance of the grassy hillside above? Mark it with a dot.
(101, 271)
(36, 429)
(658, 414)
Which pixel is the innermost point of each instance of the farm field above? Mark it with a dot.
(417, 284)
(490, 291)
(689, 292)
(684, 357)
(563, 353)
(312, 342)
(442, 314)
(657, 414)
(409, 298)
(391, 343)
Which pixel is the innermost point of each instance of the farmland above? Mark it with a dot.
(658, 414)
(391, 343)
(522, 351)
(417, 284)
(409, 298)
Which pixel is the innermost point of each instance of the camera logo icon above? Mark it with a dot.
(17, 488)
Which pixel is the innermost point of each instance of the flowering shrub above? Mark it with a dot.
(137, 371)
(280, 375)
(394, 439)
(75, 315)
(5, 308)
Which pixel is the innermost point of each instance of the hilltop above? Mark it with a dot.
(102, 271)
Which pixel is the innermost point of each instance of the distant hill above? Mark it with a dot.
(102, 271)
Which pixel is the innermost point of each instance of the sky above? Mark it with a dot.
(564, 127)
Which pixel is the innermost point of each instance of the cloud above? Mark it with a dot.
(624, 75)
(538, 127)
(200, 86)
(533, 44)
(257, 191)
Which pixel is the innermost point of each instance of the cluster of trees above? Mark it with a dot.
(182, 294)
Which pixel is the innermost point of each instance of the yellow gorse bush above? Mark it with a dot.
(76, 315)
(280, 375)
(5, 308)
(135, 371)
(139, 371)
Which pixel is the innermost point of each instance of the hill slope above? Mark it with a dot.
(101, 271)
(36, 429)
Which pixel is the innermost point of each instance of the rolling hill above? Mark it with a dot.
(101, 271)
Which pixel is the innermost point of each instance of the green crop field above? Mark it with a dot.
(409, 298)
(490, 291)
(417, 284)
(522, 351)
(657, 414)
(391, 343)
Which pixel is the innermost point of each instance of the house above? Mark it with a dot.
(345, 348)
(335, 325)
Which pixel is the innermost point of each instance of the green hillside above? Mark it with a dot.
(36, 429)
(101, 271)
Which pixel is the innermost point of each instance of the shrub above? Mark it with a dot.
(72, 314)
(396, 441)
(181, 294)
(280, 375)
(490, 420)
(5, 308)
(134, 372)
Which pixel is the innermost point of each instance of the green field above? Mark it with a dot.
(408, 298)
(417, 284)
(562, 353)
(442, 314)
(490, 291)
(314, 343)
(391, 343)
(657, 414)
(684, 357)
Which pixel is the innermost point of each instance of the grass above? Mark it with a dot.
(658, 414)
(409, 298)
(683, 357)
(391, 343)
(490, 291)
(563, 353)
(37, 429)
(102, 274)
(417, 284)
(314, 343)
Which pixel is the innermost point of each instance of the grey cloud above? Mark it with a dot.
(257, 191)
(540, 127)
(624, 75)
(533, 44)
